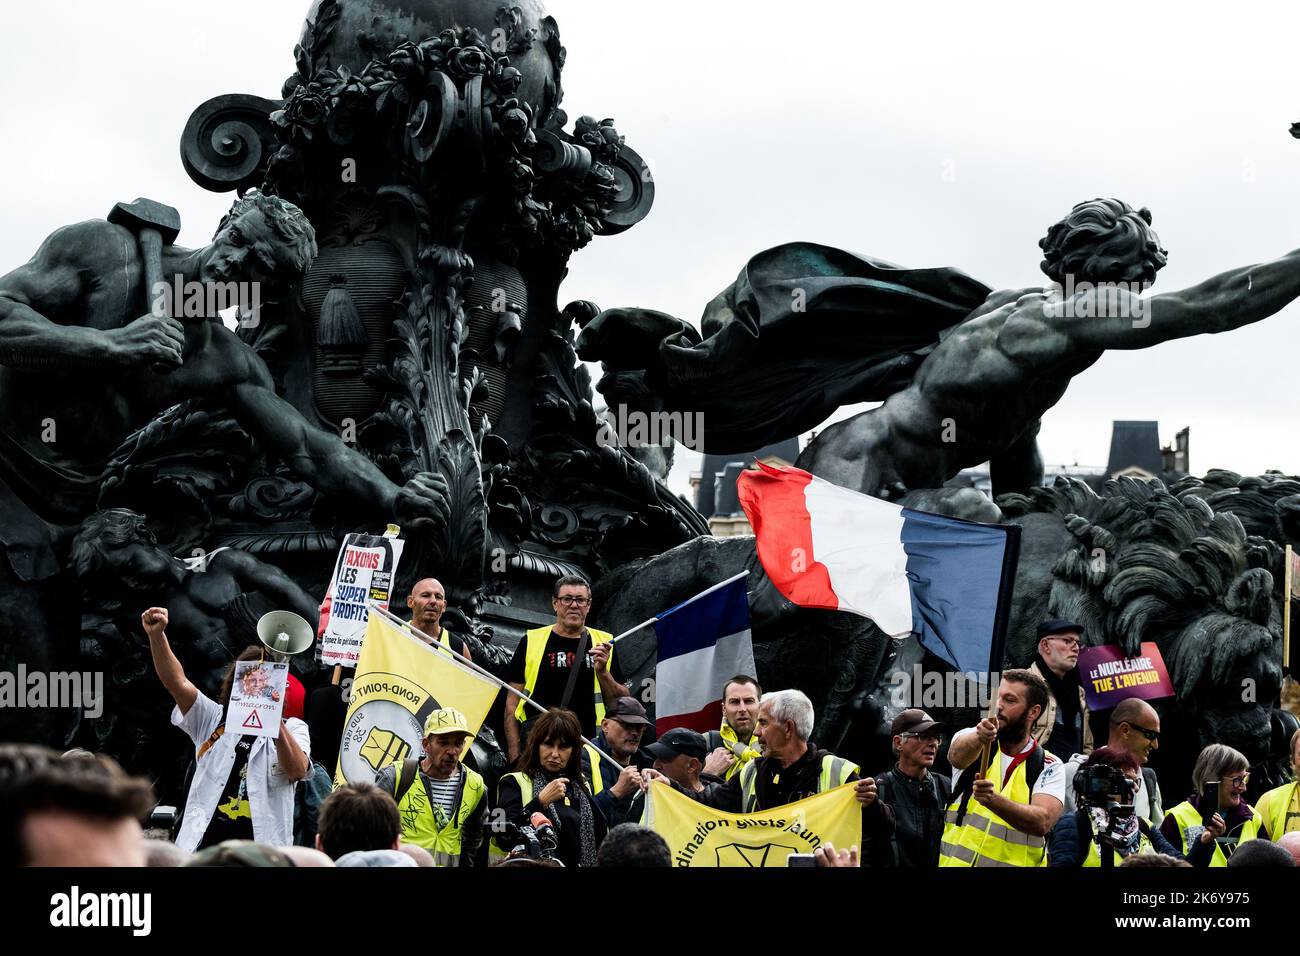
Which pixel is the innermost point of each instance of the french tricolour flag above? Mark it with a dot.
(702, 642)
(946, 580)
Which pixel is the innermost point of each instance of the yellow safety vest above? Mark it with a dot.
(597, 781)
(1274, 806)
(984, 838)
(1188, 816)
(420, 818)
(1094, 854)
(835, 771)
(535, 648)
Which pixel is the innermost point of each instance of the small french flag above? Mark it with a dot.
(947, 580)
(702, 642)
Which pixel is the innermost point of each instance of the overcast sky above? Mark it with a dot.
(927, 134)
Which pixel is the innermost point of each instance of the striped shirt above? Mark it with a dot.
(442, 793)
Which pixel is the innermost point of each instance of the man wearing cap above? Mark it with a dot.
(679, 755)
(620, 737)
(445, 808)
(916, 793)
(1062, 728)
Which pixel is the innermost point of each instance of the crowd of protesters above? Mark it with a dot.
(1030, 788)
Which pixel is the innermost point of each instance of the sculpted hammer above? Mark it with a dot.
(155, 225)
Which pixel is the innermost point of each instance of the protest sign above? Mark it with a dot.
(257, 698)
(698, 836)
(1109, 677)
(364, 572)
(400, 680)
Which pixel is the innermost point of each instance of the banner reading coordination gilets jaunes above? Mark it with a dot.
(400, 680)
(699, 836)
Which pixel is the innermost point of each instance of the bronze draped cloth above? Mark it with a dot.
(803, 330)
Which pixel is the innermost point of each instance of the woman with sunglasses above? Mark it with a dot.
(548, 779)
(1232, 822)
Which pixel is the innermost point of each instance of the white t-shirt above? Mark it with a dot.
(270, 791)
(1145, 804)
(1051, 781)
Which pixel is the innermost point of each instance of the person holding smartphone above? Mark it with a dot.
(1217, 811)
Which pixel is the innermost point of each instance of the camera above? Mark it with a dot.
(533, 842)
(1097, 788)
(1096, 785)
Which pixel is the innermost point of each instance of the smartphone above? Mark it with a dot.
(800, 859)
(1209, 801)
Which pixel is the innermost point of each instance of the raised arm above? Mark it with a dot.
(42, 310)
(1226, 301)
(166, 665)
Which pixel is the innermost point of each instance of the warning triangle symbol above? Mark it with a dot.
(252, 720)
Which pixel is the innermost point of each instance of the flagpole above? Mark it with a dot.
(463, 661)
(705, 592)
(1286, 612)
(632, 630)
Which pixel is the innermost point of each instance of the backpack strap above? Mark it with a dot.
(1152, 785)
(207, 744)
(1034, 764)
(406, 777)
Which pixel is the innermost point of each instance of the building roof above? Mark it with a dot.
(1135, 445)
(705, 495)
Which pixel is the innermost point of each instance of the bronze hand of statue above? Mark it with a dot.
(423, 502)
(149, 340)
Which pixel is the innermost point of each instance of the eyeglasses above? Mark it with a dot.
(1240, 780)
(1067, 641)
(1151, 735)
(574, 601)
(937, 738)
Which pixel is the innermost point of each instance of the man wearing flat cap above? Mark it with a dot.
(1062, 728)
(620, 735)
(916, 793)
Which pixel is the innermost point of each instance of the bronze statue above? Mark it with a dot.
(955, 396)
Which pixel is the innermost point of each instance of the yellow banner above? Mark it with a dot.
(399, 681)
(699, 836)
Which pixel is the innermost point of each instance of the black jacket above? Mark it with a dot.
(918, 807)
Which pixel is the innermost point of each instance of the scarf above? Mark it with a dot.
(587, 827)
(1126, 837)
(1064, 689)
(743, 752)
